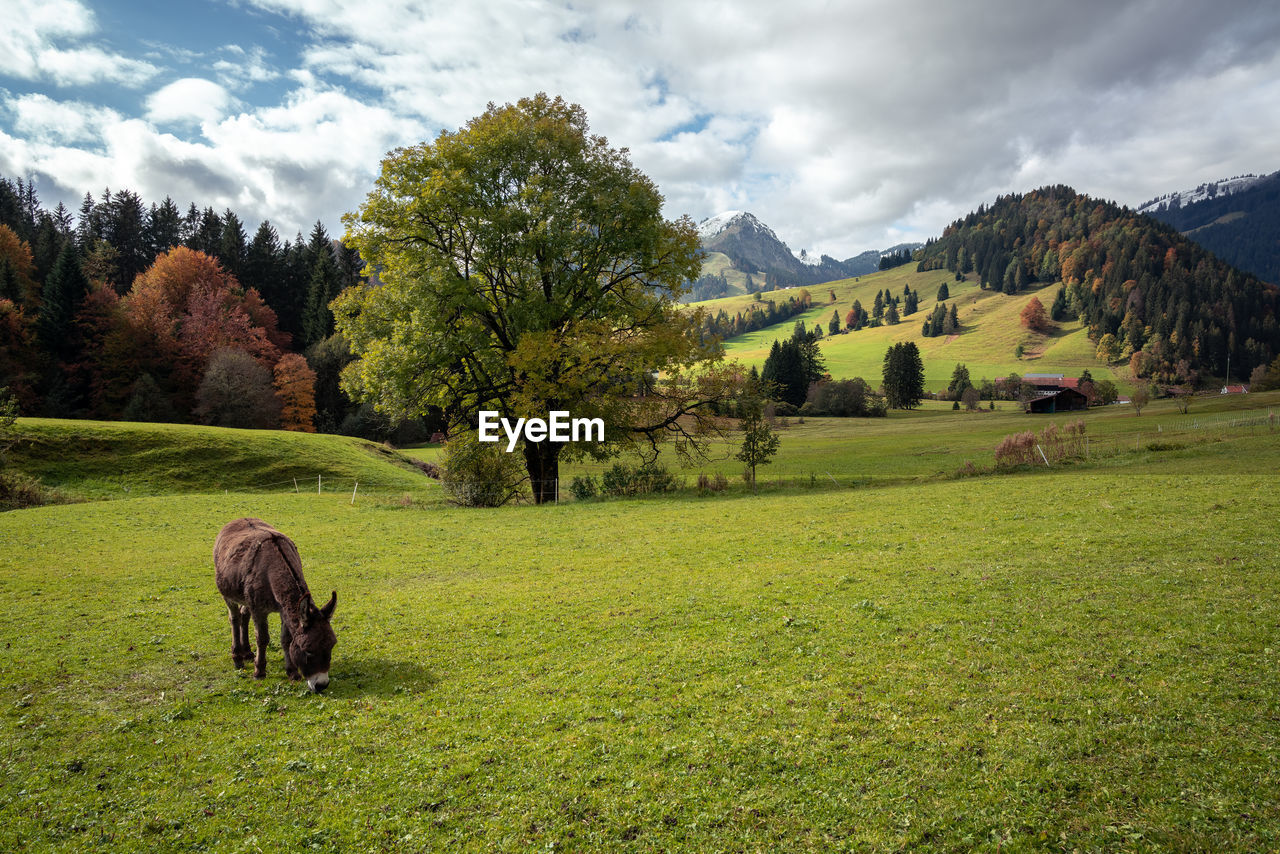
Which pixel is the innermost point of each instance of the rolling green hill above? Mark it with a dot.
(115, 459)
(989, 336)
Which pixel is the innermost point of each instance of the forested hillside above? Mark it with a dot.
(123, 309)
(1146, 294)
(1241, 228)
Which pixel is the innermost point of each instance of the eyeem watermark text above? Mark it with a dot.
(558, 427)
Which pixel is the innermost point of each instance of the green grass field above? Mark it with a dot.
(990, 331)
(103, 459)
(1077, 658)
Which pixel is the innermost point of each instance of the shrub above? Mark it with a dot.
(480, 474)
(18, 490)
(1056, 443)
(237, 392)
(622, 479)
(712, 483)
(583, 487)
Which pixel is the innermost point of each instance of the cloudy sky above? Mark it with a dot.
(844, 125)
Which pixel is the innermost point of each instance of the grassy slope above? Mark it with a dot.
(1006, 664)
(990, 331)
(109, 459)
(718, 262)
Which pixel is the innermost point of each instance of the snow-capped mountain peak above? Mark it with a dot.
(805, 258)
(721, 222)
(1211, 190)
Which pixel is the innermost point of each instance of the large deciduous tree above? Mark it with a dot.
(524, 266)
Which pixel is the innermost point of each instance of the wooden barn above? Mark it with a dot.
(1057, 400)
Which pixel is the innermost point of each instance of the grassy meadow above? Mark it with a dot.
(987, 342)
(1077, 658)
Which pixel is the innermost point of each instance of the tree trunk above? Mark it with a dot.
(542, 461)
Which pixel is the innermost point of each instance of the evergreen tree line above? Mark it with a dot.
(78, 337)
(894, 259)
(1170, 306)
(795, 376)
(941, 321)
(758, 315)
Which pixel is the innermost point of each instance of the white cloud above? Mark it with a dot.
(315, 156)
(844, 126)
(29, 49)
(189, 100)
(30, 28)
(42, 119)
(85, 65)
(244, 67)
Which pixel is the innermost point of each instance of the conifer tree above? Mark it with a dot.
(64, 290)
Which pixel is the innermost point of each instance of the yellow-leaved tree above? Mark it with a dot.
(522, 265)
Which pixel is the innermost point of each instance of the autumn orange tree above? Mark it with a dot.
(1035, 317)
(296, 388)
(186, 307)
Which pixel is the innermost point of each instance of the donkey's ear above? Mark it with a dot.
(327, 610)
(305, 609)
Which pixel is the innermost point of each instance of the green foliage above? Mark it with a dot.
(237, 391)
(480, 474)
(648, 477)
(843, 398)
(64, 290)
(1265, 377)
(18, 490)
(759, 442)
(959, 382)
(148, 402)
(323, 285)
(8, 421)
(583, 487)
(511, 253)
(903, 376)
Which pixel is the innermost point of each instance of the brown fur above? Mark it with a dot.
(258, 571)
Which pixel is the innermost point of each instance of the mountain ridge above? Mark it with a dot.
(752, 247)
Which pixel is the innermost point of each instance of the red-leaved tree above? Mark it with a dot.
(1034, 316)
(182, 310)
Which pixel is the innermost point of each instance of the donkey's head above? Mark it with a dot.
(309, 649)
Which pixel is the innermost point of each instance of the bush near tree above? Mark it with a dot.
(237, 391)
(480, 474)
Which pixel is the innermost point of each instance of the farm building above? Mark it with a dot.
(1054, 393)
(1049, 401)
(1234, 389)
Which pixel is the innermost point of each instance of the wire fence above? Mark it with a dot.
(1164, 435)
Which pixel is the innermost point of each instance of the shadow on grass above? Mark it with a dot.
(378, 677)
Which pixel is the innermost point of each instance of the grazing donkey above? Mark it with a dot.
(258, 571)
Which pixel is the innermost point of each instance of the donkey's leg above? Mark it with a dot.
(264, 638)
(242, 634)
(240, 651)
(285, 637)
